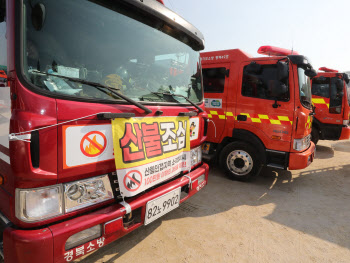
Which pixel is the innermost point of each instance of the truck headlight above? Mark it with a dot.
(302, 144)
(196, 156)
(87, 192)
(39, 203)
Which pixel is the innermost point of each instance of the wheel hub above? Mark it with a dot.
(239, 162)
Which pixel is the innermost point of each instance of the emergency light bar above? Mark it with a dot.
(275, 51)
(328, 69)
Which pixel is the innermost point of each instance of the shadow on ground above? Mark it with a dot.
(324, 152)
(342, 146)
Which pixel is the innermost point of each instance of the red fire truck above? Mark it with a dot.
(260, 110)
(103, 123)
(331, 98)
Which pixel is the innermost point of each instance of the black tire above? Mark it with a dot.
(240, 161)
(315, 135)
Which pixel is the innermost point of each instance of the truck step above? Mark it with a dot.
(277, 166)
(208, 157)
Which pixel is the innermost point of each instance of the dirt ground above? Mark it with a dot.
(282, 216)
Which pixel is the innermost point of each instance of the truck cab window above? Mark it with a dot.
(320, 87)
(259, 84)
(336, 98)
(214, 80)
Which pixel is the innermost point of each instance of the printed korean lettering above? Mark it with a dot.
(181, 135)
(169, 136)
(151, 138)
(101, 241)
(90, 247)
(128, 138)
(79, 251)
(68, 256)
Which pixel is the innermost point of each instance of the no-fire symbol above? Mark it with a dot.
(133, 180)
(93, 144)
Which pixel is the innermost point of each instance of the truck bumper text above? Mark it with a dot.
(48, 244)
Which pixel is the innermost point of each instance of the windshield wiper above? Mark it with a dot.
(100, 87)
(182, 96)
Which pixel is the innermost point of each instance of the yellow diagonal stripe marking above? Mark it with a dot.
(318, 101)
(222, 117)
(213, 112)
(263, 117)
(256, 120)
(275, 122)
(229, 114)
(283, 118)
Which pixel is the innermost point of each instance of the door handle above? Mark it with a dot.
(241, 117)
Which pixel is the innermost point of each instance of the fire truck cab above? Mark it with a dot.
(260, 110)
(331, 98)
(82, 77)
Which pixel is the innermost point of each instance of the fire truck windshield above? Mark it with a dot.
(99, 41)
(304, 88)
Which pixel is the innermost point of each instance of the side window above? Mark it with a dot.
(320, 87)
(336, 98)
(260, 83)
(214, 80)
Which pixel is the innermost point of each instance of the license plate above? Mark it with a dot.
(162, 205)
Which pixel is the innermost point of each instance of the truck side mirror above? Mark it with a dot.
(346, 78)
(38, 16)
(282, 70)
(277, 89)
(311, 73)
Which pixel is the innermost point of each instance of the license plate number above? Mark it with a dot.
(162, 205)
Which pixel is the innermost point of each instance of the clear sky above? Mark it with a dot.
(318, 29)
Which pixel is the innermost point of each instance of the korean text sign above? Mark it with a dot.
(149, 151)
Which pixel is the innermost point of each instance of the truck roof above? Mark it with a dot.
(231, 55)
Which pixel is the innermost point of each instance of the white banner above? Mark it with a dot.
(137, 179)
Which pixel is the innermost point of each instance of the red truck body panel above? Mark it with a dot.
(22, 109)
(275, 127)
(328, 120)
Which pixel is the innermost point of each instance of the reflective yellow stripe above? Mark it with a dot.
(214, 112)
(318, 101)
(229, 114)
(263, 117)
(256, 120)
(283, 118)
(222, 117)
(275, 122)
(210, 116)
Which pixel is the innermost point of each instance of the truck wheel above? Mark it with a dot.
(315, 135)
(240, 161)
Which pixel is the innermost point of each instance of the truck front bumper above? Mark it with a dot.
(345, 133)
(303, 159)
(48, 244)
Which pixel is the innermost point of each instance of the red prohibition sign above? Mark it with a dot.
(130, 180)
(93, 148)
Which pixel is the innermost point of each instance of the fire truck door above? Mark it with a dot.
(257, 109)
(216, 84)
